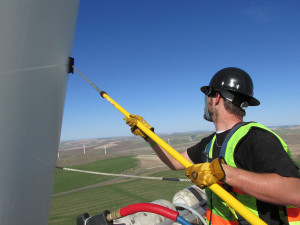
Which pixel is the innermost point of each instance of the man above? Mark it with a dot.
(247, 159)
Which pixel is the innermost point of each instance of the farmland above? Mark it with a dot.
(100, 196)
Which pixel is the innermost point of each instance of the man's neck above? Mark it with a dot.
(223, 119)
(223, 124)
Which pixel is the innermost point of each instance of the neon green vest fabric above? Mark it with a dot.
(219, 206)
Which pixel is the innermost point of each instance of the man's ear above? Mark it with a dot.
(218, 98)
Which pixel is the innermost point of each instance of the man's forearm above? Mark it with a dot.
(165, 156)
(268, 187)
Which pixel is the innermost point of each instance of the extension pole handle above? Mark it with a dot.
(118, 107)
(217, 189)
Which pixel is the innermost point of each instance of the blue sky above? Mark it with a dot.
(152, 56)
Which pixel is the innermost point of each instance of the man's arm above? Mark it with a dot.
(162, 154)
(166, 157)
(267, 187)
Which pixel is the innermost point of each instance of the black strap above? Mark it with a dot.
(205, 153)
(195, 193)
(208, 146)
(229, 135)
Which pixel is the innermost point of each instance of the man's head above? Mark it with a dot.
(235, 86)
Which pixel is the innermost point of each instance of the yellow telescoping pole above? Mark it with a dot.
(217, 189)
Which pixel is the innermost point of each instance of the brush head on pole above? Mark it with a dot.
(70, 65)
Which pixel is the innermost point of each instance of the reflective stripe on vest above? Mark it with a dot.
(217, 220)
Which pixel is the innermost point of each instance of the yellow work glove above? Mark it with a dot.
(206, 174)
(132, 122)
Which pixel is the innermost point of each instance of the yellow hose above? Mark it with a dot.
(217, 189)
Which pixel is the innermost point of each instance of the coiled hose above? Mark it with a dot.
(148, 207)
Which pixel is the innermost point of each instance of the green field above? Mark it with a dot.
(66, 180)
(65, 208)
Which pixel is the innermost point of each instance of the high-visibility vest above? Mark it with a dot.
(217, 210)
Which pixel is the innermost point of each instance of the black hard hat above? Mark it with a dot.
(235, 80)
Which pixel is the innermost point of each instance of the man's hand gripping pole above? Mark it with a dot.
(217, 189)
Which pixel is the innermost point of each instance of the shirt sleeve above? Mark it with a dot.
(261, 152)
